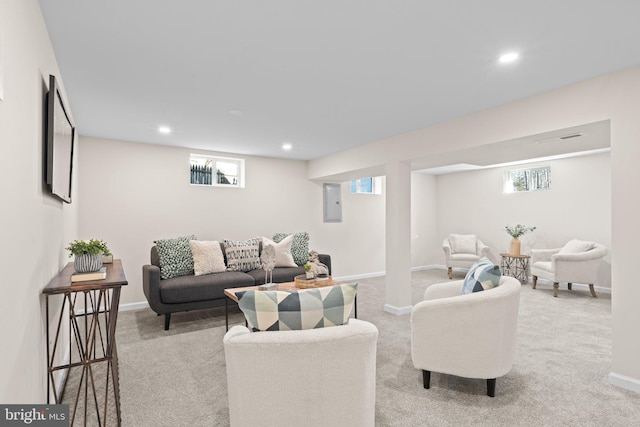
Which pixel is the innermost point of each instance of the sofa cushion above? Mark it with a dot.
(175, 256)
(464, 257)
(576, 246)
(299, 246)
(482, 275)
(280, 274)
(284, 258)
(201, 288)
(207, 257)
(296, 310)
(463, 243)
(242, 255)
(544, 266)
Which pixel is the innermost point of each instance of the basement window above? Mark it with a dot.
(216, 171)
(369, 185)
(523, 180)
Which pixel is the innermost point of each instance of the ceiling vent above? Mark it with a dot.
(572, 135)
(561, 138)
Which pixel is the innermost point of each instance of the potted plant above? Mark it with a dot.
(88, 254)
(307, 269)
(516, 232)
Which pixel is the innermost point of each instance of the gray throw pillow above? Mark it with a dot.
(175, 256)
(242, 255)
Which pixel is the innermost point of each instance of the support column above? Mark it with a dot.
(398, 238)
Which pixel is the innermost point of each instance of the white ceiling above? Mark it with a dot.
(324, 75)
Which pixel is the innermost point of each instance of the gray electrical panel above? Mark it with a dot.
(332, 197)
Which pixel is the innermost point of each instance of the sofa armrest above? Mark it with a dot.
(151, 287)
(595, 253)
(580, 268)
(446, 247)
(481, 249)
(326, 260)
(443, 290)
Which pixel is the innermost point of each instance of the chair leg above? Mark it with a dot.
(426, 379)
(450, 272)
(491, 387)
(167, 320)
(535, 281)
(555, 289)
(569, 286)
(593, 291)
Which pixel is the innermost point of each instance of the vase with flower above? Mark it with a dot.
(515, 233)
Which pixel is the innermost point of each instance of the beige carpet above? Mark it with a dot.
(563, 357)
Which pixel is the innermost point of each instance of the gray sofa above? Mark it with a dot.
(192, 292)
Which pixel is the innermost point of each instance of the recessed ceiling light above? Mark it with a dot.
(164, 129)
(508, 57)
(236, 113)
(286, 146)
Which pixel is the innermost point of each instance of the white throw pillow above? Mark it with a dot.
(463, 243)
(576, 246)
(284, 258)
(207, 257)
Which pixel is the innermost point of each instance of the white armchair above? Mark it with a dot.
(471, 336)
(576, 262)
(320, 377)
(462, 250)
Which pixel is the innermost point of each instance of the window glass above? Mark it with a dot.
(368, 185)
(521, 180)
(216, 171)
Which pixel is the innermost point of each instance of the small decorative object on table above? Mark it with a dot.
(516, 232)
(88, 254)
(301, 282)
(268, 261)
(308, 272)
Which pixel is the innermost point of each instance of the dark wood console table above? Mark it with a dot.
(92, 316)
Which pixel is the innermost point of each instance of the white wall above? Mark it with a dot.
(136, 193)
(614, 97)
(578, 205)
(133, 194)
(357, 243)
(425, 238)
(35, 227)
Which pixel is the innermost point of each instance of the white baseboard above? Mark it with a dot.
(398, 311)
(427, 267)
(382, 273)
(391, 309)
(134, 306)
(359, 276)
(624, 382)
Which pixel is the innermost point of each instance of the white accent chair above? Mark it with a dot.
(471, 336)
(462, 250)
(576, 262)
(319, 377)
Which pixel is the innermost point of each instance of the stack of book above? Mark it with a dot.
(94, 275)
